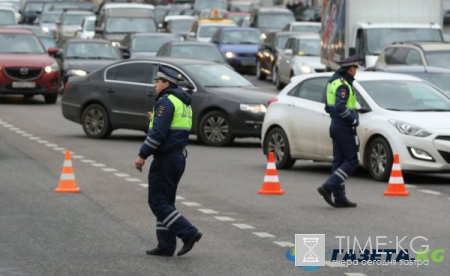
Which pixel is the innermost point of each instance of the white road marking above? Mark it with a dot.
(284, 243)
(51, 145)
(191, 203)
(334, 264)
(208, 211)
(77, 156)
(122, 175)
(144, 185)
(179, 198)
(430, 192)
(133, 180)
(59, 149)
(20, 131)
(8, 126)
(109, 170)
(98, 165)
(263, 235)
(34, 138)
(410, 186)
(88, 161)
(243, 226)
(27, 135)
(42, 141)
(355, 274)
(14, 128)
(225, 218)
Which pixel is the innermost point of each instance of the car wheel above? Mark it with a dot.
(50, 99)
(274, 74)
(379, 159)
(277, 142)
(95, 121)
(260, 75)
(215, 129)
(278, 82)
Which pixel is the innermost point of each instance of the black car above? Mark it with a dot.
(225, 104)
(192, 49)
(79, 57)
(437, 76)
(268, 53)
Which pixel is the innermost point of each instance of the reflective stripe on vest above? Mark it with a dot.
(182, 116)
(332, 90)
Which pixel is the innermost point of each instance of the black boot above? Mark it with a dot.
(189, 244)
(342, 201)
(158, 252)
(326, 195)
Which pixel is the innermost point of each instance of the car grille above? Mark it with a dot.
(247, 55)
(23, 73)
(445, 155)
(447, 138)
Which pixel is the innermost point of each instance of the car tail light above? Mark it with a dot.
(271, 101)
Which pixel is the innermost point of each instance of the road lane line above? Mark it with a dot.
(284, 243)
(98, 165)
(355, 274)
(122, 175)
(208, 211)
(263, 235)
(59, 149)
(34, 138)
(21, 131)
(51, 145)
(42, 141)
(430, 192)
(88, 161)
(179, 198)
(410, 186)
(8, 126)
(14, 128)
(143, 185)
(133, 180)
(243, 226)
(109, 170)
(225, 218)
(191, 203)
(27, 135)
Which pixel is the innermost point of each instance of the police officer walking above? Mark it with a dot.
(341, 105)
(167, 138)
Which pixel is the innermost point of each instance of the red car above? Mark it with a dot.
(26, 68)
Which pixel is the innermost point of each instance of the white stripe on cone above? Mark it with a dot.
(271, 166)
(271, 178)
(67, 176)
(396, 180)
(67, 163)
(396, 167)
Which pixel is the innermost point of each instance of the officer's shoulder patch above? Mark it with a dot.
(160, 110)
(343, 93)
(342, 80)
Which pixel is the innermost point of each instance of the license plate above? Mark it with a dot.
(248, 62)
(24, 84)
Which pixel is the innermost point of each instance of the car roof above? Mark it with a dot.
(78, 12)
(410, 69)
(128, 5)
(94, 40)
(273, 10)
(15, 31)
(427, 45)
(176, 61)
(179, 17)
(362, 76)
(216, 21)
(152, 34)
(305, 35)
(199, 43)
(127, 13)
(283, 33)
(305, 23)
(234, 28)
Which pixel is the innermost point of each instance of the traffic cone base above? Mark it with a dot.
(67, 183)
(271, 184)
(396, 185)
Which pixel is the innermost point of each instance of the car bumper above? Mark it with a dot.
(71, 111)
(242, 63)
(246, 124)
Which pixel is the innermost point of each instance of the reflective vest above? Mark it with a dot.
(182, 116)
(332, 88)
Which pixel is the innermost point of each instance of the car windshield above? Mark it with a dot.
(182, 25)
(48, 42)
(37, 31)
(441, 80)
(237, 17)
(33, 7)
(159, 14)
(90, 26)
(13, 4)
(236, 7)
(217, 75)
(401, 95)
(150, 43)
(203, 52)
(438, 58)
(130, 25)
(378, 39)
(241, 37)
(306, 28)
(91, 50)
(209, 30)
(50, 17)
(309, 47)
(20, 44)
(7, 18)
(74, 19)
(281, 41)
(274, 20)
(210, 4)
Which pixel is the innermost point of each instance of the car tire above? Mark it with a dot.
(278, 82)
(95, 121)
(214, 129)
(50, 99)
(274, 74)
(379, 159)
(277, 142)
(260, 75)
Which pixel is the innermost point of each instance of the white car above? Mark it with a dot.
(124, 6)
(203, 31)
(87, 30)
(398, 114)
(301, 55)
(7, 16)
(309, 27)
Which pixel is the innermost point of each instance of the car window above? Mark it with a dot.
(312, 89)
(395, 55)
(137, 72)
(281, 41)
(150, 43)
(203, 52)
(413, 57)
(169, 69)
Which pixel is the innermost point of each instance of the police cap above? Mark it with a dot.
(350, 61)
(164, 74)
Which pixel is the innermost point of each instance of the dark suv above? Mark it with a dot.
(26, 68)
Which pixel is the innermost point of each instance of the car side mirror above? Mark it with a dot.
(125, 52)
(52, 51)
(192, 34)
(99, 30)
(361, 109)
(288, 52)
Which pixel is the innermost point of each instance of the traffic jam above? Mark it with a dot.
(324, 92)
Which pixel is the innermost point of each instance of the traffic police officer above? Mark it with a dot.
(341, 105)
(167, 138)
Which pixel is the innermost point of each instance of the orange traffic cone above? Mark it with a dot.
(271, 184)
(67, 183)
(396, 186)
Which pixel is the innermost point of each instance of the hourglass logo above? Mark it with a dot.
(310, 249)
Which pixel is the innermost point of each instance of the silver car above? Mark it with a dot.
(70, 23)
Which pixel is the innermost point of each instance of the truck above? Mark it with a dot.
(366, 27)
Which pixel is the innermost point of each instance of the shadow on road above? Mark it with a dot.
(20, 100)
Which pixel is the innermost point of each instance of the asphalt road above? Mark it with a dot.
(105, 229)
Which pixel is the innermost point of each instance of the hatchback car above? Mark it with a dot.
(398, 114)
(225, 104)
(26, 66)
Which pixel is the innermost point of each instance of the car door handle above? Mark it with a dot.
(150, 94)
(110, 90)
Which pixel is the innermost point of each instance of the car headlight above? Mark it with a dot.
(51, 68)
(254, 108)
(46, 29)
(409, 129)
(230, 55)
(263, 36)
(305, 69)
(76, 72)
(115, 44)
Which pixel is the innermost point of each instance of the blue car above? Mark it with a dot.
(239, 46)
